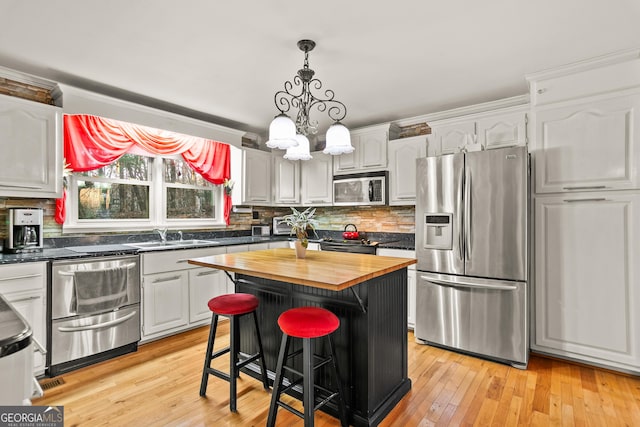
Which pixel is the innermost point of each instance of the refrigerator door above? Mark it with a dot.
(481, 316)
(439, 214)
(495, 199)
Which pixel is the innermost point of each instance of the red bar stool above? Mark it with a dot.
(233, 306)
(307, 323)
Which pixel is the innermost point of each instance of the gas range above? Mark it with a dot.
(362, 246)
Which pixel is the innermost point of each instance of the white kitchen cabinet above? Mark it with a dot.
(256, 177)
(452, 137)
(286, 178)
(174, 291)
(280, 244)
(316, 180)
(24, 285)
(370, 150)
(31, 161)
(402, 154)
(503, 127)
(502, 130)
(588, 145)
(587, 279)
(411, 281)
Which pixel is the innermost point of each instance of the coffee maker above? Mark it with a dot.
(25, 230)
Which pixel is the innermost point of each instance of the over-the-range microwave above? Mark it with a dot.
(361, 189)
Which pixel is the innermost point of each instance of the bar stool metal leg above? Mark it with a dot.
(207, 358)
(308, 399)
(277, 382)
(263, 365)
(234, 372)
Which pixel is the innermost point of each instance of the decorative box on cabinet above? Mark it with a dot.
(286, 180)
(587, 280)
(316, 180)
(24, 285)
(31, 161)
(370, 150)
(402, 155)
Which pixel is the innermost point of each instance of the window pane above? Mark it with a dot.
(177, 171)
(129, 166)
(98, 200)
(189, 203)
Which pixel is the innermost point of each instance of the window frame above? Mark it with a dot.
(157, 204)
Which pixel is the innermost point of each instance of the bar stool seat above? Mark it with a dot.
(233, 306)
(307, 323)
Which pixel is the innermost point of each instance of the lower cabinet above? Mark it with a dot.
(24, 286)
(175, 293)
(411, 281)
(587, 280)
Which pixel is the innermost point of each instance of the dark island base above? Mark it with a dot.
(371, 343)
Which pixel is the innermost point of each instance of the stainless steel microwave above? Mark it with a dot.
(361, 189)
(280, 227)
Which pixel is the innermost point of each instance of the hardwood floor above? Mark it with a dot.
(158, 386)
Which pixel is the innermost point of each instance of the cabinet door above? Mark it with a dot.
(402, 168)
(204, 284)
(373, 150)
(286, 181)
(31, 305)
(31, 160)
(166, 301)
(349, 162)
(256, 184)
(502, 131)
(452, 137)
(588, 146)
(316, 180)
(587, 282)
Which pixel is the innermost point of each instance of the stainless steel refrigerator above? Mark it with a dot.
(471, 246)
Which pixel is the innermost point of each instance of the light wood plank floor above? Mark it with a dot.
(158, 386)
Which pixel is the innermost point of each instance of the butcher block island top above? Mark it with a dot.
(319, 269)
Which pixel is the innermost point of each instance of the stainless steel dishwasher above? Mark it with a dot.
(94, 311)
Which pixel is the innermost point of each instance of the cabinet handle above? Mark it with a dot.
(541, 91)
(166, 279)
(316, 201)
(586, 187)
(206, 273)
(595, 199)
(28, 276)
(24, 299)
(38, 347)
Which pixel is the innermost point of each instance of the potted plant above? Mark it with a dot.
(301, 223)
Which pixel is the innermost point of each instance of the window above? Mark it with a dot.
(126, 195)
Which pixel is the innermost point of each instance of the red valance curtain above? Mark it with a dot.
(91, 142)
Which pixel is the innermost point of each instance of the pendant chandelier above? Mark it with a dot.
(285, 134)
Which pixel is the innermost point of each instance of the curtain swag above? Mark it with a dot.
(91, 142)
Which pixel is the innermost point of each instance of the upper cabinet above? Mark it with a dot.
(370, 150)
(286, 180)
(31, 138)
(402, 154)
(584, 125)
(502, 127)
(316, 180)
(256, 177)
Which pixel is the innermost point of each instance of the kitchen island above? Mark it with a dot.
(368, 293)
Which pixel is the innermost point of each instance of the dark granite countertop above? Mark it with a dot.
(88, 246)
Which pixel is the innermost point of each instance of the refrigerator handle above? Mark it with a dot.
(467, 215)
(460, 217)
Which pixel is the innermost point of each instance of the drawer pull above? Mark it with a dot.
(25, 299)
(206, 273)
(542, 90)
(587, 187)
(166, 279)
(596, 199)
(38, 347)
(28, 276)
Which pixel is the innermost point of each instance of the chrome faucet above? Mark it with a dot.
(180, 234)
(162, 233)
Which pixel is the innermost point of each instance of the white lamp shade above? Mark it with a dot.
(338, 140)
(299, 152)
(282, 133)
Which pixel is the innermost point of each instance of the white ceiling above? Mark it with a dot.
(224, 60)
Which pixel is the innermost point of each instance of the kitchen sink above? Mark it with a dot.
(157, 244)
